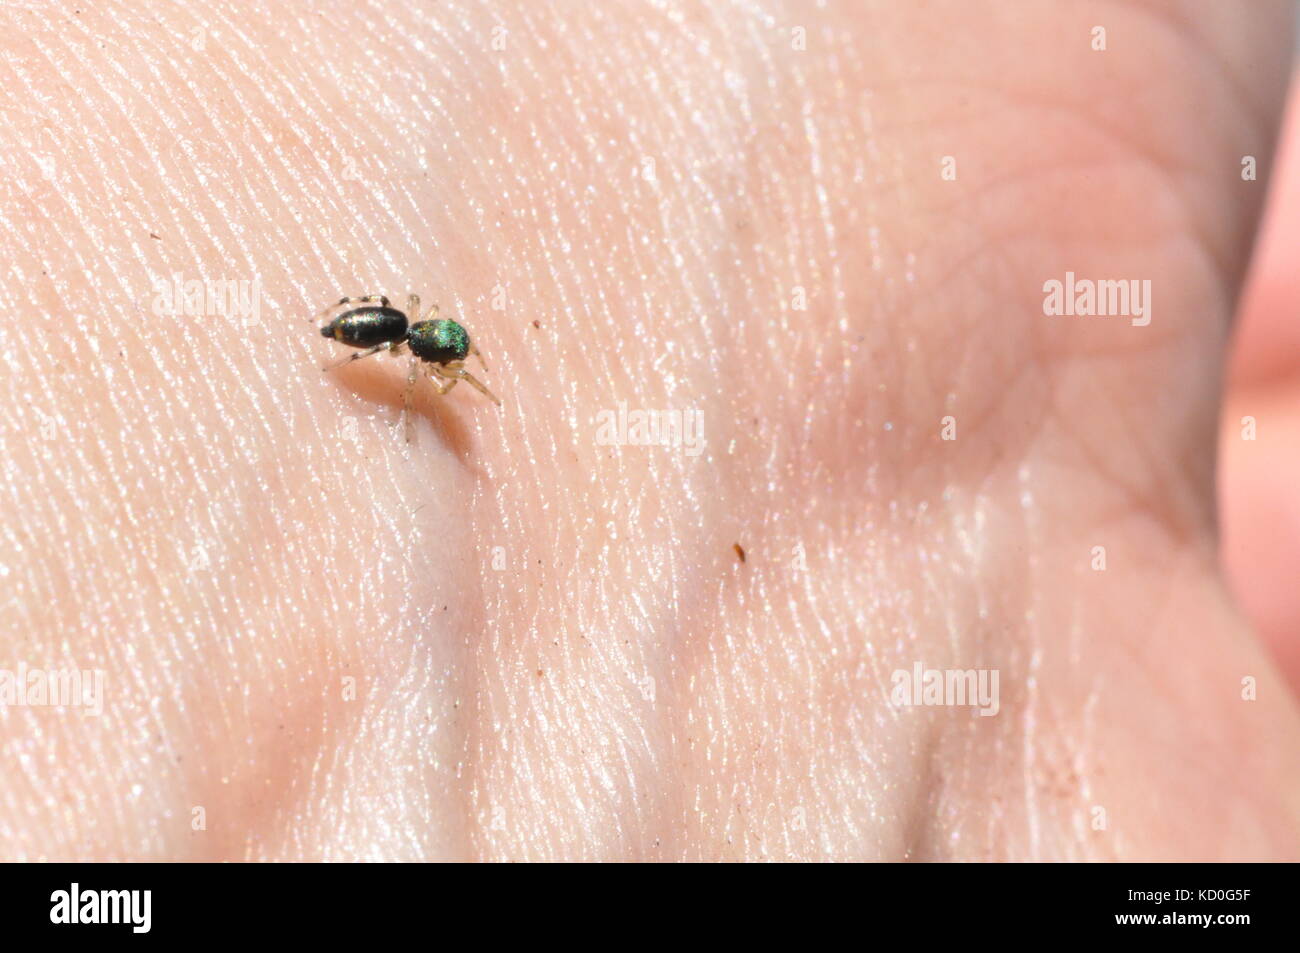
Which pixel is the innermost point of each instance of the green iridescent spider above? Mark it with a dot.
(439, 344)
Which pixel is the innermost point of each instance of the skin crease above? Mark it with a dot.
(511, 641)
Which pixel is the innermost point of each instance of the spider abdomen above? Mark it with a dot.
(366, 327)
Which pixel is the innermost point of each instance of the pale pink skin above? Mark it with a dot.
(233, 536)
(1259, 491)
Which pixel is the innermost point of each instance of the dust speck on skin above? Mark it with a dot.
(740, 551)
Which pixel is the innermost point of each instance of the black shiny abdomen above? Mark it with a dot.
(366, 327)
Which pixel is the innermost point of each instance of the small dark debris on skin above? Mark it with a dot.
(156, 237)
(537, 325)
(740, 551)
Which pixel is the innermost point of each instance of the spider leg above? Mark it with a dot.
(412, 374)
(444, 384)
(384, 346)
(455, 371)
(364, 299)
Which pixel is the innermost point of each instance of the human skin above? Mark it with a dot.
(1258, 477)
(512, 641)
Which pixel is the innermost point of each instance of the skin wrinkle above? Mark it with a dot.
(624, 689)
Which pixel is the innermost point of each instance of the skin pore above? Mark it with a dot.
(513, 640)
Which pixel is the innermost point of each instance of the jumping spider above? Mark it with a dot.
(440, 344)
